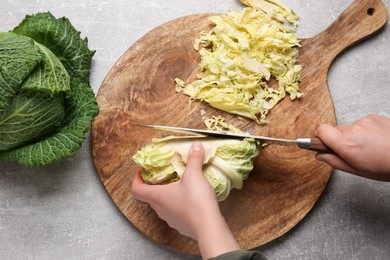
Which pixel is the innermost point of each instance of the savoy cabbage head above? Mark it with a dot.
(46, 102)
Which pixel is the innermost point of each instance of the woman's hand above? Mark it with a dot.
(190, 206)
(362, 148)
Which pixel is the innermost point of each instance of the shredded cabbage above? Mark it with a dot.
(239, 56)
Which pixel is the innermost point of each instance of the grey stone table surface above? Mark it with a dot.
(62, 211)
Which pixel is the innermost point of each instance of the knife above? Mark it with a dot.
(309, 143)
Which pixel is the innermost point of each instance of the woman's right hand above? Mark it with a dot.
(362, 148)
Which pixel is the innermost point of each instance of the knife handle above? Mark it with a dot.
(314, 144)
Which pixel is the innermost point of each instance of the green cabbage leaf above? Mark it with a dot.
(46, 103)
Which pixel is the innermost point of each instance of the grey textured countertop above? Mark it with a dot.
(62, 211)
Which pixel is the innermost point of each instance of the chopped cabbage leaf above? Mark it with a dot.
(274, 8)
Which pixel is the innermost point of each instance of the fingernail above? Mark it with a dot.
(197, 146)
(319, 157)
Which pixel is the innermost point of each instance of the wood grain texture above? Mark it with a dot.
(286, 181)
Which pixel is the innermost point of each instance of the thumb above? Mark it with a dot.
(195, 158)
(139, 189)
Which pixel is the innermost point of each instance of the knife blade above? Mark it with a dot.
(308, 143)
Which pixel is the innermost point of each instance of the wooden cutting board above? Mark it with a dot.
(286, 181)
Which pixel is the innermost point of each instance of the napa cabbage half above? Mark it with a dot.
(227, 162)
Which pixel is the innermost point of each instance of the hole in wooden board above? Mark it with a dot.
(370, 11)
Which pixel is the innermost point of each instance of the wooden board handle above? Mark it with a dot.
(361, 19)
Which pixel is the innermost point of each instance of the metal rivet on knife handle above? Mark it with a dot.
(314, 144)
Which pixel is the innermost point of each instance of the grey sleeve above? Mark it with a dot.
(241, 255)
